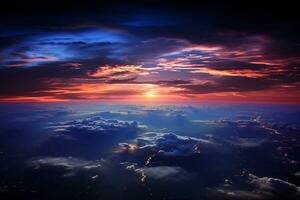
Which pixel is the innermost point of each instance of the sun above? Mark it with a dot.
(150, 94)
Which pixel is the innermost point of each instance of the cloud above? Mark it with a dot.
(165, 173)
(143, 48)
(155, 155)
(297, 174)
(88, 137)
(167, 144)
(242, 72)
(63, 46)
(274, 185)
(68, 163)
(95, 125)
(221, 68)
(246, 142)
(234, 194)
(267, 125)
(120, 72)
(255, 187)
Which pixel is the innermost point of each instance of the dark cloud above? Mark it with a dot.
(229, 84)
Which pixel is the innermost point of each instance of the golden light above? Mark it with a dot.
(132, 147)
(142, 176)
(150, 94)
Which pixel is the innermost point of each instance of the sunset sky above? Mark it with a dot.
(161, 100)
(61, 51)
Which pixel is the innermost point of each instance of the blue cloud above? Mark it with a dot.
(66, 46)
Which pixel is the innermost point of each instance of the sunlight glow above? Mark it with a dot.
(151, 94)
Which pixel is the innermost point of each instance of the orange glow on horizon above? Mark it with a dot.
(155, 94)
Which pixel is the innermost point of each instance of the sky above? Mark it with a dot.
(53, 51)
